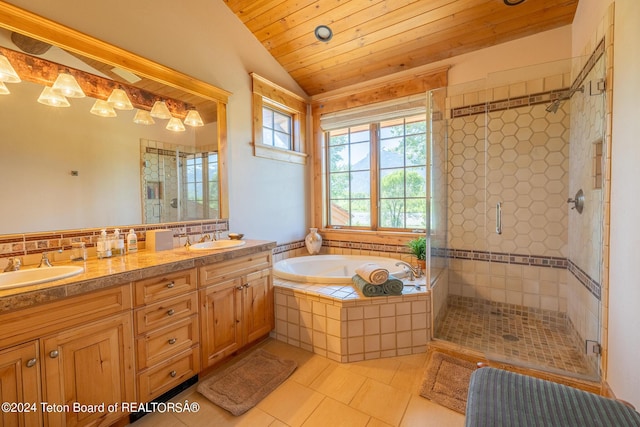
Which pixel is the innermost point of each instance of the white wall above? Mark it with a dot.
(624, 294)
(204, 39)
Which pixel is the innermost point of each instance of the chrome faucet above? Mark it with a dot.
(413, 271)
(44, 262)
(204, 238)
(14, 264)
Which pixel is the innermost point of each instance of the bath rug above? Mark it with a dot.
(373, 273)
(240, 386)
(446, 380)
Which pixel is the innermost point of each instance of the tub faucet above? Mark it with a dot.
(14, 264)
(413, 271)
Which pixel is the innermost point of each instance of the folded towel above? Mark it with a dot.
(373, 273)
(393, 286)
(367, 289)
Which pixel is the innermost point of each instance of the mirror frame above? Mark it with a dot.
(29, 24)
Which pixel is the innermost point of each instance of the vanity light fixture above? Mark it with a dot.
(67, 86)
(175, 125)
(143, 117)
(3, 89)
(193, 118)
(49, 97)
(323, 33)
(7, 73)
(103, 109)
(160, 110)
(119, 100)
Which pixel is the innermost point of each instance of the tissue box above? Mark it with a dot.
(159, 240)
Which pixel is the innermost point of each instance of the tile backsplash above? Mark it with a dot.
(31, 245)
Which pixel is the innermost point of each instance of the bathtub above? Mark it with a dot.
(330, 269)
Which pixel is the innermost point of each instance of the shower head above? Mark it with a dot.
(555, 104)
(553, 107)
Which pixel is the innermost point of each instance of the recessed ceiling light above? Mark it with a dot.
(323, 33)
(513, 2)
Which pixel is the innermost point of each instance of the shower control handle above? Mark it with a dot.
(499, 218)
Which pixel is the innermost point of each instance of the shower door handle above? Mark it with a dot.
(499, 218)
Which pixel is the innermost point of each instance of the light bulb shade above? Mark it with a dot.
(175, 125)
(49, 97)
(143, 117)
(193, 119)
(3, 89)
(67, 86)
(7, 73)
(103, 109)
(160, 110)
(119, 100)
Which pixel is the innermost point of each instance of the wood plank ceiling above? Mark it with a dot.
(376, 38)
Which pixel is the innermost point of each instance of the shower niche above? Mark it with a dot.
(179, 183)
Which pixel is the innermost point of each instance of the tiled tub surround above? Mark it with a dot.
(337, 322)
(30, 246)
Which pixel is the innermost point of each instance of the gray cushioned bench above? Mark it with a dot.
(502, 398)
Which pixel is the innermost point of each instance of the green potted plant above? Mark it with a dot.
(418, 248)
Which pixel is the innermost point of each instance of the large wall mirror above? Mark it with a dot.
(68, 168)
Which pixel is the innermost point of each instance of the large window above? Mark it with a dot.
(202, 186)
(377, 175)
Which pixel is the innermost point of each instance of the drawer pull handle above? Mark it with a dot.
(53, 354)
(239, 287)
(172, 341)
(173, 374)
(170, 312)
(31, 362)
(247, 285)
(170, 285)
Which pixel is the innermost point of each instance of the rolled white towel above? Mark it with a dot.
(373, 273)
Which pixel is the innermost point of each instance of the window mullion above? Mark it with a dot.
(375, 173)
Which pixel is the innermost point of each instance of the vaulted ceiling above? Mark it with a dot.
(376, 38)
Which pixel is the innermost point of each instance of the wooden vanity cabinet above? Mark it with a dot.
(78, 349)
(236, 305)
(20, 383)
(167, 332)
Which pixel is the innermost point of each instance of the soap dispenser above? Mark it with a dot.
(104, 245)
(132, 241)
(118, 243)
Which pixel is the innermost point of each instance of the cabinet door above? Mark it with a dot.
(20, 383)
(90, 365)
(258, 305)
(220, 318)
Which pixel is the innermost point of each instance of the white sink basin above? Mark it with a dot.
(14, 279)
(216, 244)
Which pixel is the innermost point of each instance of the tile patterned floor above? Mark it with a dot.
(321, 392)
(513, 338)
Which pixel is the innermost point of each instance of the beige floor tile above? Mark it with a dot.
(291, 403)
(422, 412)
(374, 422)
(332, 413)
(381, 401)
(339, 383)
(381, 370)
(408, 378)
(311, 369)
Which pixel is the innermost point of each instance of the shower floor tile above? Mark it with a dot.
(513, 338)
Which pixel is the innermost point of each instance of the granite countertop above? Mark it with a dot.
(103, 273)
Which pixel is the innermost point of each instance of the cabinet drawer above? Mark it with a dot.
(161, 344)
(165, 286)
(153, 382)
(219, 272)
(165, 312)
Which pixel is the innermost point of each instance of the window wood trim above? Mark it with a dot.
(266, 93)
